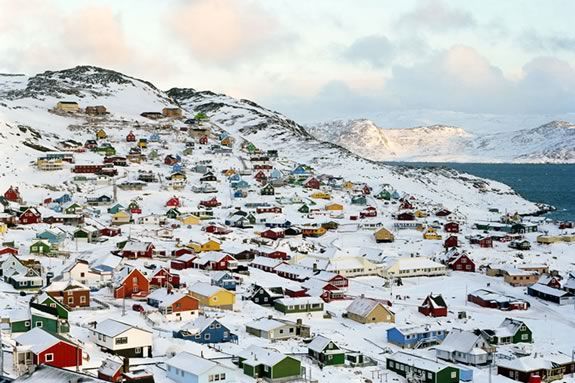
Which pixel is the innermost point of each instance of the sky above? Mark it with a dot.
(315, 60)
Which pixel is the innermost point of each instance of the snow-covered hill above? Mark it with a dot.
(553, 142)
(25, 103)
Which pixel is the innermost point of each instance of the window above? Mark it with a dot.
(39, 324)
(391, 363)
(210, 378)
(222, 376)
(429, 375)
(83, 299)
(524, 336)
(226, 334)
(27, 323)
(82, 275)
(122, 340)
(266, 368)
(70, 300)
(207, 337)
(49, 357)
(453, 374)
(218, 325)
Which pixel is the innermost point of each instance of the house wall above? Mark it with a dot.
(64, 355)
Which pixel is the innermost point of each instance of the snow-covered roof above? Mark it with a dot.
(299, 301)
(191, 363)
(37, 339)
(266, 262)
(319, 343)
(549, 290)
(417, 361)
(110, 367)
(265, 324)
(363, 306)
(113, 328)
(255, 355)
(205, 289)
(459, 340)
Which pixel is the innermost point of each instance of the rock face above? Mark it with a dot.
(553, 142)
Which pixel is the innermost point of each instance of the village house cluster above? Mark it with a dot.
(179, 250)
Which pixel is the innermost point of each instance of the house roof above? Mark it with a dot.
(319, 343)
(66, 285)
(255, 355)
(166, 298)
(266, 262)
(37, 339)
(200, 324)
(265, 324)
(417, 361)
(363, 306)
(110, 367)
(549, 290)
(459, 340)
(299, 301)
(191, 363)
(49, 374)
(113, 328)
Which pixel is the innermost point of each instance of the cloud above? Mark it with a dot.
(223, 31)
(533, 41)
(94, 34)
(375, 50)
(434, 15)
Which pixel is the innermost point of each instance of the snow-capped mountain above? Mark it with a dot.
(553, 142)
(31, 127)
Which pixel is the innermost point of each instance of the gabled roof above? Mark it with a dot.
(364, 306)
(38, 340)
(319, 343)
(255, 355)
(460, 340)
(113, 328)
(192, 364)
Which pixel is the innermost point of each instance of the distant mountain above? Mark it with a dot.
(553, 142)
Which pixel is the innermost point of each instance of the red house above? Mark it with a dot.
(334, 279)
(451, 227)
(442, 213)
(8, 250)
(134, 284)
(135, 249)
(203, 140)
(110, 231)
(482, 241)
(276, 254)
(131, 137)
(13, 194)
(30, 216)
(461, 262)
(406, 205)
(312, 183)
(170, 160)
(273, 233)
(433, 306)
(217, 229)
(173, 202)
(47, 349)
(450, 242)
(261, 176)
(369, 211)
(210, 203)
(216, 261)
(184, 261)
(405, 216)
(269, 209)
(165, 278)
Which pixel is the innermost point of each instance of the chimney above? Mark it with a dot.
(126, 365)
(314, 266)
(270, 316)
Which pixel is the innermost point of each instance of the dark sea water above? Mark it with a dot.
(547, 183)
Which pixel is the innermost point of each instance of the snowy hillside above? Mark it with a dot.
(25, 101)
(553, 142)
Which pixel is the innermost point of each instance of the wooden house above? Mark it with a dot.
(490, 299)
(67, 106)
(325, 352)
(165, 278)
(451, 227)
(533, 368)
(122, 339)
(30, 216)
(213, 296)
(37, 347)
(277, 329)
(131, 282)
(367, 310)
(299, 305)
(421, 369)
(269, 364)
(465, 347)
(174, 305)
(188, 368)
(71, 293)
(434, 306)
(383, 235)
(416, 336)
(205, 330)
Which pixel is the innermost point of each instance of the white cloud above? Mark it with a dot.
(434, 15)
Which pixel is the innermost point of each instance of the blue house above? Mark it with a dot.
(56, 207)
(234, 178)
(206, 331)
(51, 236)
(224, 279)
(240, 185)
(116, 208)
(188, 368)
(416, 337)
(395, 195)
(279, 223)
(275, 174)
(240, 194)
(177, 168)
(155, 137)
(223, 135)
(300, 170)
(63, 199)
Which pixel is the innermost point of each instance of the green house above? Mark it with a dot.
(421, 369)
(40, 247)
(269, 364)
(48, 321)
(173, 213)
(299, 305)
(384, 194)
(510, 331)
(304, 209)
(325, 352)
(116, 208)
(17, 319)
(358, 200)
(251, 148)
(74, 208)
(61, 312)
(268, 189)
(106, 150)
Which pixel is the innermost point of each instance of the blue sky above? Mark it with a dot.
(315, 60)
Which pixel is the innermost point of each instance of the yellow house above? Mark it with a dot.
(420, 213)
(334, 207)
(3, 228)
(211, 245)
(190, 220)
(347, 185)
(366, 310)
(49, 164)
(230, 172)
(213, 296)
(67, 106)
(227, 141)
(321, 195)
(195, 246)
(383, 235)
(101, 134)
(313, 231)
(431, 233)
(142, 143)
(121, 218)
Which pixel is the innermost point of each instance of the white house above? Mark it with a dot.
(189, 368)
(82, 272)
(122, 339)
(414, 267)
(466, 347)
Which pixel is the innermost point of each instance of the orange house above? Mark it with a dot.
(134, 284)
